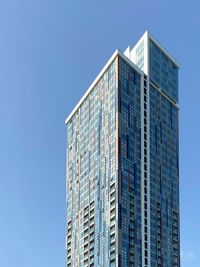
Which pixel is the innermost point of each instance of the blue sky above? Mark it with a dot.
(50, 52)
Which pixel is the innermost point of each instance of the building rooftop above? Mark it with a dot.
(115, 54)
(129, 59)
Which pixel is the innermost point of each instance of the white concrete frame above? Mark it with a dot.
(145, 39)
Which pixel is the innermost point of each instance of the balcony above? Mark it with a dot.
(112, 239)
(112, 213)
(112, 257)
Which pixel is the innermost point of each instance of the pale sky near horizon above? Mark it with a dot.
(50, 52)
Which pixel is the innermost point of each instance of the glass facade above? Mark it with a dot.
(164, 177)
(129, 166)
(163, 72)
(122, 186)
(92, 171)
(164, 159)
(139, 56)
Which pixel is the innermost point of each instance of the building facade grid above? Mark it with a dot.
(122, 184)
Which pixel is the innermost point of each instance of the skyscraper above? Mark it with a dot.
(122, 188)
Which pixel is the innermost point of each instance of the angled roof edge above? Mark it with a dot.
(115, 54)
(163, 50)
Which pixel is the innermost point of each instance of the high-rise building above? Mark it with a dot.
(122, 189)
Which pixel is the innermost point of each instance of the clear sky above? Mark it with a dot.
(50, 52)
